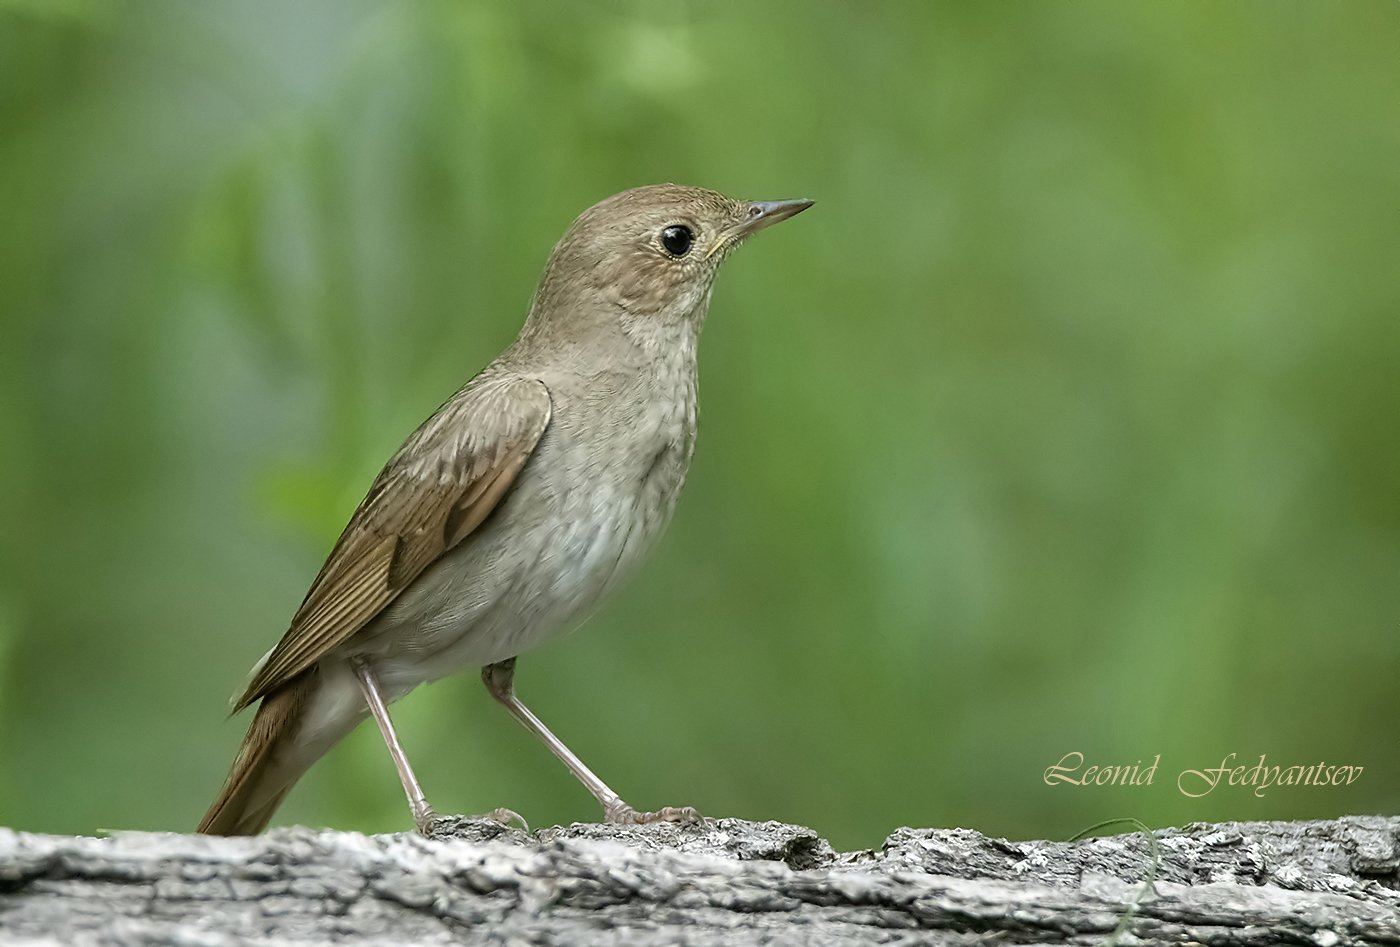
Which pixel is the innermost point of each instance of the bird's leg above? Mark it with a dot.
(417, 802)
(422, 812)
(499, 680)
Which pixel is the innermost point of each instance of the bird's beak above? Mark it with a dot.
(766, 213)
(761, 214)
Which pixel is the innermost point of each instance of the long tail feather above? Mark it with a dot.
(266, 768)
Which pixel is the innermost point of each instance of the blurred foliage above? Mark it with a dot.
(1066, 421)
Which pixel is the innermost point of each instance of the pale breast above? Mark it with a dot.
(594, 498)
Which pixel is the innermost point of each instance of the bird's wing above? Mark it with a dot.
(441, 485)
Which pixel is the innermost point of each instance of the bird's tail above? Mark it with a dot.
(268, 763)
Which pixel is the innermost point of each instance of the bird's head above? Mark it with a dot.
(650, 253)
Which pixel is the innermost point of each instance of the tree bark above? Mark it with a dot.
(721, 882)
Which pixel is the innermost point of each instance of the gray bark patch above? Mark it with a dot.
(719, 882)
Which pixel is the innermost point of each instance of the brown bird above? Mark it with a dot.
(512, 511)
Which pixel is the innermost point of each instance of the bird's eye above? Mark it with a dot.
(677, 239)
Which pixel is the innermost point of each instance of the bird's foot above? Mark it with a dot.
(424, 819)
(620, 813)
(504, 816)
(497, 821)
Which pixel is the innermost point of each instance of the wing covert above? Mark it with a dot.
(432, 494)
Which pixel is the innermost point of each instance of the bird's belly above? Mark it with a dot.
(530, 573)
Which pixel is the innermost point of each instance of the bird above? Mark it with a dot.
(514, 510)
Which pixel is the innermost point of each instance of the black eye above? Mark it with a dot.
(677, 239)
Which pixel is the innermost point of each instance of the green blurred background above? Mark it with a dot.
(1066, 421)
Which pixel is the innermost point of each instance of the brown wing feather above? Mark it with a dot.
(439, 487)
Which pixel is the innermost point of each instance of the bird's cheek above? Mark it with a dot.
(644, 289)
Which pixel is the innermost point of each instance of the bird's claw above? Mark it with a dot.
(430, 824)
(622, 814)
(504, 816)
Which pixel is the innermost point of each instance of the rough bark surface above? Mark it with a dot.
(724, 882)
